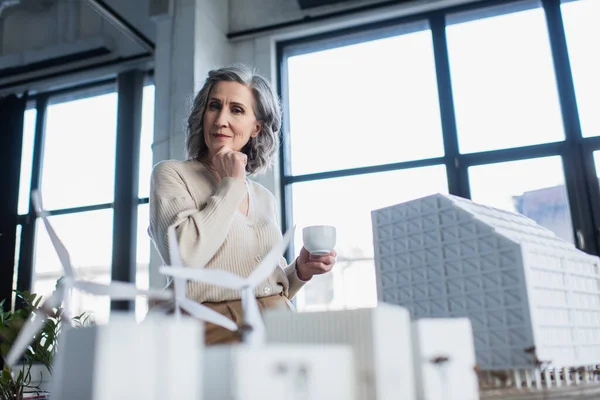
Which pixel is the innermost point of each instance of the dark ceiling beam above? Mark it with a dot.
(121, 62)
(318, 18)
(122, 24)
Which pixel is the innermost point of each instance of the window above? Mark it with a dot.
(466, 102)
(88, 238)
(346, 203)
(355, 99)
(503, 80)
(372, 101)
(582, 32)
(534, 188)
(79, 152)
(78, 170)
(16, 270)
(26, 159)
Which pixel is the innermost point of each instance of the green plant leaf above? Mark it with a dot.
(37, 300)
(6, 374)
(4, 348)
(5, 334)
(43, 346)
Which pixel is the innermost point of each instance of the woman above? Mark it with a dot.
(222, 219)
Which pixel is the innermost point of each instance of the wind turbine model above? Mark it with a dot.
(315, 372)
(179, 284)
(253, 329)
(115, 290)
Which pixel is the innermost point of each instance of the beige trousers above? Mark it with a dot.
(214, 334)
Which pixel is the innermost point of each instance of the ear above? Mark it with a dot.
(257, 129)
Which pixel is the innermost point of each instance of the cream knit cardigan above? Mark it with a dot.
(212, 232)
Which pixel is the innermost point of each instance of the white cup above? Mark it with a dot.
(319, 240)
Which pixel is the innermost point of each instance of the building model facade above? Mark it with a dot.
(533, 299)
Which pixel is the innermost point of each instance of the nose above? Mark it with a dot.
(222, 119)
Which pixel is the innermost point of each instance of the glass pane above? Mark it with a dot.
(88, 238)
(142, 279)
(347, 203)
(597, 164)
(534, 188)
(79, 152)
(16, 265)
(503, 82)
(582, 31)
(17, 249)
(374, 103)
(26, 159)
(146, 141)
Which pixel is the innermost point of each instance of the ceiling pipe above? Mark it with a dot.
(122, 24)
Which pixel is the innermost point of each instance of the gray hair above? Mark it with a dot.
(267, 109)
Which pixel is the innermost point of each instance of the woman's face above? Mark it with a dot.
(229, 117)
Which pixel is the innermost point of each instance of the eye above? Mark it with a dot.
(237, 110)
(213, 105)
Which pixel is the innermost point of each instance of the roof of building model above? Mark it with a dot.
(453, 210)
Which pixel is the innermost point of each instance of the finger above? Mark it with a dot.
(223, 150)
(241, 160)
(304, 256)
(318, 267)
(220, 156)
(217, 159)
(241, 157)
(323, 259)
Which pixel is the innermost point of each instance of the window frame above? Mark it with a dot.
(129, 99)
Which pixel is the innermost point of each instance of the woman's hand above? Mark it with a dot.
(308, 265)
(229, 163)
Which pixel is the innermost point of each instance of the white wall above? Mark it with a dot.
(189, 43)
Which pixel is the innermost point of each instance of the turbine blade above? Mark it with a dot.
(263, 270)
(61, 250)
(256, 334)
(206, 314)
(117, 290)
(212, 276)
(25, 337)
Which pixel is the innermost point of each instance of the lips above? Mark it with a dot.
(220, 136)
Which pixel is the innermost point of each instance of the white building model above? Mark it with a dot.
(380, 337)
(160, 358)
(394, 357)
(287, 371)
(532, 298)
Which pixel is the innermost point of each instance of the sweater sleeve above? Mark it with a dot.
(295, 282)
(200, 232)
